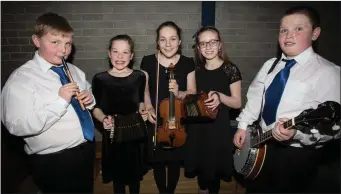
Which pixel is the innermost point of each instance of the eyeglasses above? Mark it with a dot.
(212, 43)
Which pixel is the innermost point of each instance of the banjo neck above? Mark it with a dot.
(263, 137)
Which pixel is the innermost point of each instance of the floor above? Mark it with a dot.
(147, 186)
(184, 186)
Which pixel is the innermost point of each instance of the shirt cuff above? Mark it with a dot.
(92, 105)
(62, 102)
(299, 136)
(242, 125)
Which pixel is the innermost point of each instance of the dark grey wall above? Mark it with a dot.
(249, 30)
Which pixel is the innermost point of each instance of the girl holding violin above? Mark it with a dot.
(178, 86)
(209, 145)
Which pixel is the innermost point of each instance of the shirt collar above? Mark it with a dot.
(42, 63)
(302, 58)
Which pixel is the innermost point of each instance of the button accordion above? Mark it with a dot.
(196, 111)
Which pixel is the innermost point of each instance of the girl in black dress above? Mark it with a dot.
(209, 145)
(168, 51)
(120, 92)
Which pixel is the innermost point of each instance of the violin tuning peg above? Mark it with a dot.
(314, 131)
(336, 127)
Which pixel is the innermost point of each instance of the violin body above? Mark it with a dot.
(171, 133)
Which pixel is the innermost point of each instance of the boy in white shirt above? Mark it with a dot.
(40, 104)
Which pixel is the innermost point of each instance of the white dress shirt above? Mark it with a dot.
(32, 108)
(313, 80)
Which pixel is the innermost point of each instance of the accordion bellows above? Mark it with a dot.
(129, 128)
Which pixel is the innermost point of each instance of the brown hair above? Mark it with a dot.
(51, 22)
(309, 12)
(171, 25)
(130, 41)
(199, 59)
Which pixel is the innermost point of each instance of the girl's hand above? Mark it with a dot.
(174, 87)
(144, 114)
(213, 100)
(108, 122)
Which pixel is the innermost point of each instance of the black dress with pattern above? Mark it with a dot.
(209, 146)
(121, 162)
(183, 67)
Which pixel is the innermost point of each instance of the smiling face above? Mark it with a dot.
(53, 46)
(120, 54)
(169, 41)
(296, 34)
(209, 44)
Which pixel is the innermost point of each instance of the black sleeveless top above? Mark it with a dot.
(183, 67)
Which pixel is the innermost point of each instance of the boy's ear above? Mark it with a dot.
(109, 54)
(35, 40)
(132, 56)
(316, 33)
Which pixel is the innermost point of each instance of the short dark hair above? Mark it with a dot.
(49, 22)
(310, 12)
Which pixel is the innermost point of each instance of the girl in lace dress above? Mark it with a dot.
(209, 146)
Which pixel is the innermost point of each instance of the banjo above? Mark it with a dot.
(249, 160)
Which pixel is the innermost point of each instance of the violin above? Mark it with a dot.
(171, 133)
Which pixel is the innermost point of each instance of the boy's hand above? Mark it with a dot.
(67, 91)
(239, 138)
(282, 134)
(85, 97)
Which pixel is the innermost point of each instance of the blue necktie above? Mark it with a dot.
(84, 116)
(274, 92)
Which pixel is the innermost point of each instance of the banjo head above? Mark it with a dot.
(240, 156)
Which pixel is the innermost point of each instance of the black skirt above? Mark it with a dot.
(124, 162)
(208, 150)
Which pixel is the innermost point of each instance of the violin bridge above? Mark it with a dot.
(171, 125)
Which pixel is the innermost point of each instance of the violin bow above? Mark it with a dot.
(157, 97)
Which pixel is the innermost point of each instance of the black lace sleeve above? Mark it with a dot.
(232, 73)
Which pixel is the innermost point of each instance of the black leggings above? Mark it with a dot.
(213, 186)
(134, 187)
(160, 176)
